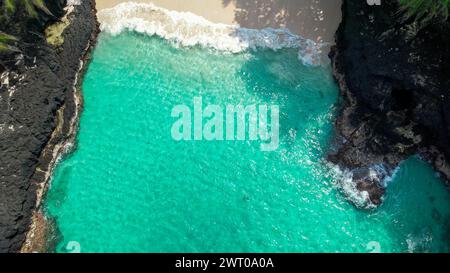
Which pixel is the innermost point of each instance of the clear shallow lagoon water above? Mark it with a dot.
(129, 187)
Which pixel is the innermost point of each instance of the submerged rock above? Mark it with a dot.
(394, 77)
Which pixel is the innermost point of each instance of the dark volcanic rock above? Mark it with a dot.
(394, 77)
(35, 86)
(370, 179)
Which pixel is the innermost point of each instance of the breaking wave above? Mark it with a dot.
(344, 182)
(187, 29)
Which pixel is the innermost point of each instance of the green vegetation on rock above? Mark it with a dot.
(54, 32)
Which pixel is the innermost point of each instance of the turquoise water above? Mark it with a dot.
(129, 187)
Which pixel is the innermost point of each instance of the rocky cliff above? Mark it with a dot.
(38, 106)
(394, 77)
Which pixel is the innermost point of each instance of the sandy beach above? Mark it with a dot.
(313, 19)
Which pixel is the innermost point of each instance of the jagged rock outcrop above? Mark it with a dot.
(36, 85)
(394, 77)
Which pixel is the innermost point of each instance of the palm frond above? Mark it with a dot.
(9, 6)
(40, 4)
(5, 42)
(6, 38)
(32, 7)
(425, 10)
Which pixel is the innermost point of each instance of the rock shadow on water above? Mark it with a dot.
(306, 95)
(313, 19)
(417, 201)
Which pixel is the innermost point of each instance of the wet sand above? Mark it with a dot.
(317, 20)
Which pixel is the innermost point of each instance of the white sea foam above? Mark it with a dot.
(344, 181)
(188, 29)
